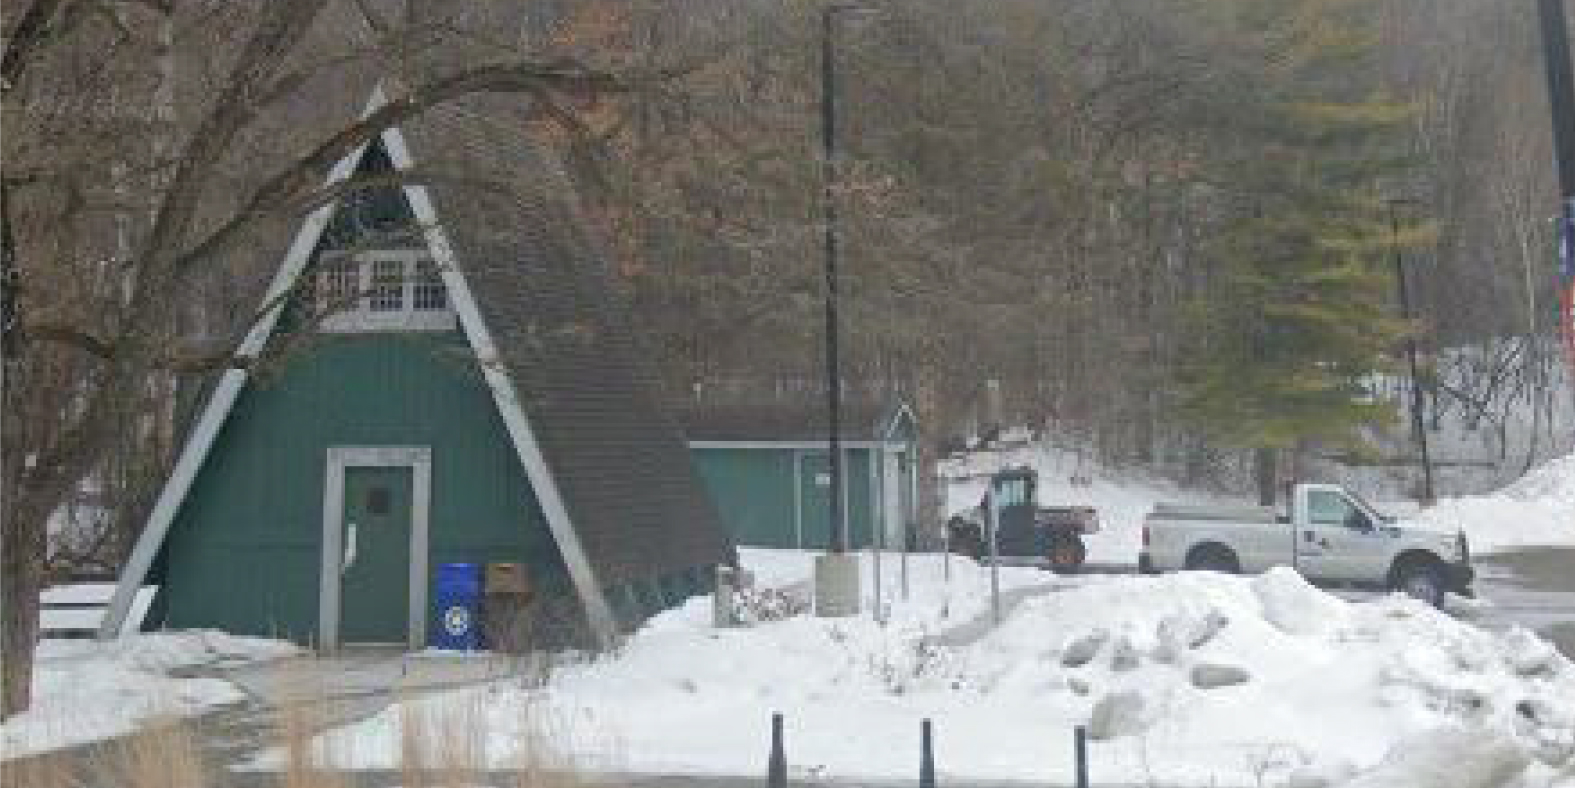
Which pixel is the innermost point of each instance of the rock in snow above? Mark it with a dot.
(1082, 650)
(1531, 656)
(1207, 675)
(1116, 714)
(1124, 656)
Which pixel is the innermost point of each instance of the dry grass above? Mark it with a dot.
(160, 755)
(45, 771)
(298, 725)
(440, 746)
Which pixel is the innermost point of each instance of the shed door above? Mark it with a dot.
(375, 579)
(814, 500)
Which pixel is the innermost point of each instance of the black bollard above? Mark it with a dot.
(776, 767)
(926, 756)
(1080, 748)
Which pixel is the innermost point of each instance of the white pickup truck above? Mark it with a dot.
(1330, 536)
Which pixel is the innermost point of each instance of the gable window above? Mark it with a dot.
(382, 290)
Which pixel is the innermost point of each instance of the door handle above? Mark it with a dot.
(349, 559)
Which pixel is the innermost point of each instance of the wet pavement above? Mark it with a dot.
(1534, 588)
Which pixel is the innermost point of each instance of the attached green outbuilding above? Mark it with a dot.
(439, 373)
(765, 461)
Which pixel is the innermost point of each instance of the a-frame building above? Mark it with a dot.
(441, 373)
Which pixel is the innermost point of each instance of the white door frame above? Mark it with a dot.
(419, 460)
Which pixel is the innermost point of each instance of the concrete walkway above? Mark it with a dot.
(334, 690)
(317, 692)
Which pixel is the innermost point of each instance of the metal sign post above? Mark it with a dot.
(993, 521)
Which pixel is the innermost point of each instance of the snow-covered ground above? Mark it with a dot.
(1536, 510)
(1185, 680)
(86, 690)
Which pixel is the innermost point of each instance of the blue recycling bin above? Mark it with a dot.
(456, 601)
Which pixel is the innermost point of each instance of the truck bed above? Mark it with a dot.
(1246, 514)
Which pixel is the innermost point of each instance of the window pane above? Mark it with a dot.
(379, 501)
(388, 286)
(339, 284)
(428, 292)
(1327, 508)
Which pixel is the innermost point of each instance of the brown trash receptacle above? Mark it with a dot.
(506, 608)
(506, 578)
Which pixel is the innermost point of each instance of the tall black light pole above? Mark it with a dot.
(1418, 428)
(828, 138)
(837, 587)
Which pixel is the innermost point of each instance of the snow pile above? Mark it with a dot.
(1069, 478)
(87, 690)
(1536, 510)
(1188, 679)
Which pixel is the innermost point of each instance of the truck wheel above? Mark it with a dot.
(1422, 580)
(1213, 558)
(1067, 555)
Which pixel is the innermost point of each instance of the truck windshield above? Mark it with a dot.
(1363, 504)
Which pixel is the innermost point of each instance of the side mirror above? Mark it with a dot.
(1358, 521)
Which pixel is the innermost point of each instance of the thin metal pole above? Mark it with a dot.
(828, 129)
(1080, 753)
(908, 514)
(994, 521)
(878, 514)
(1418, 428)
(776, 764)
(926, 754)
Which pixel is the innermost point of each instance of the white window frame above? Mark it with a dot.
(345, 318)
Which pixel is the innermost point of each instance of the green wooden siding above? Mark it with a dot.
(861, 499)
(753, 491)
(755, 488)
(244, 552)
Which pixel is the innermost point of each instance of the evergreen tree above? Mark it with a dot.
(1300, 316)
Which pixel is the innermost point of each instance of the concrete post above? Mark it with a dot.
(837, 585)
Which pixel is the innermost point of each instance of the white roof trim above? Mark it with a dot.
(894, 418)
(217, 410)
(597, 610)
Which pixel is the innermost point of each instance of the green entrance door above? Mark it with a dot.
(374, 596)
(814, 500)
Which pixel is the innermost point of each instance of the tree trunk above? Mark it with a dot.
(1266, 473)
(21, 579)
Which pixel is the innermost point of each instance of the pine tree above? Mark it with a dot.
(1300, 317)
